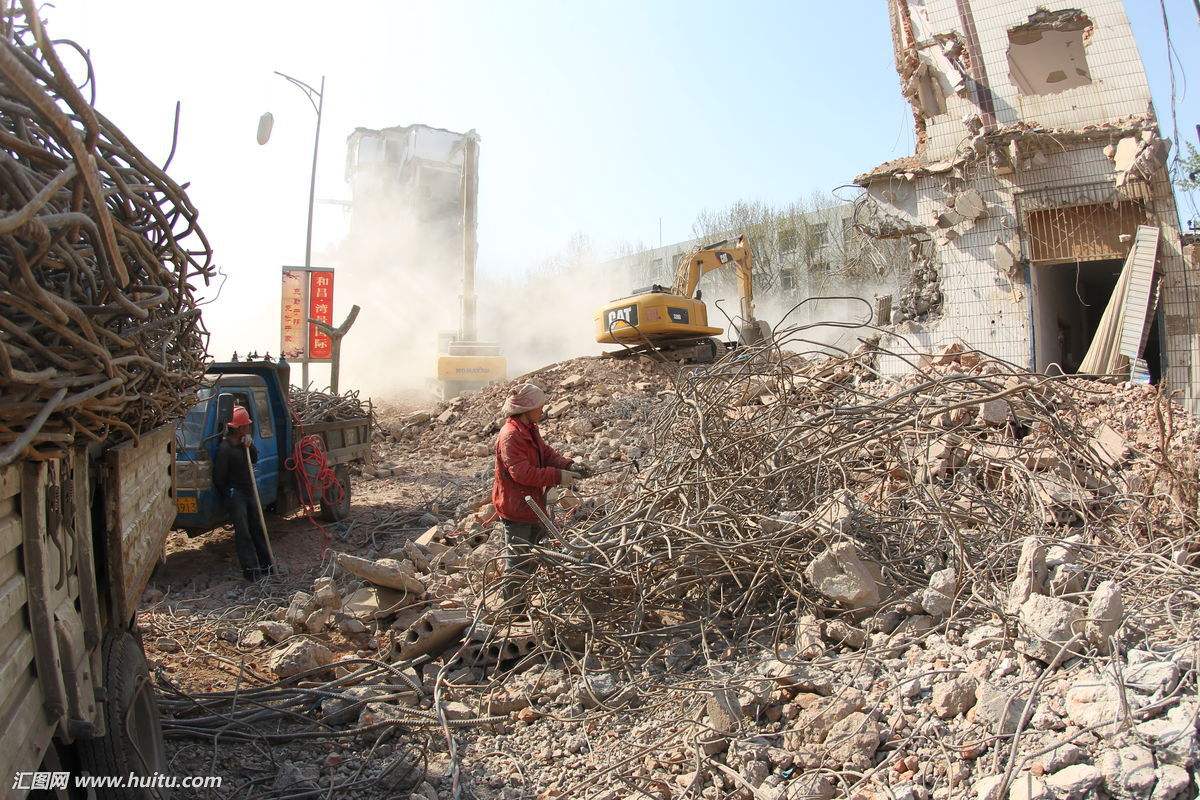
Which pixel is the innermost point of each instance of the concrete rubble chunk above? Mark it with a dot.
(844, 577)
(433, 632)
(299, 656)
(1047, 624)
(853, 740)
(988, 788)
(1105, 614)
(954, 697)
(1172, 782)
(994, 412)
(374, 602)
(573, 381)
(386, 572)
(1109, 446)
(1027, 786)
(1031, 574)
(1074, 782)
(1129, 773)
(276, 631)
(938, 598)
(299, 609)
(1093, 699)
(998, 709)
(725, 715)
(1173, 737)
(1065, 755)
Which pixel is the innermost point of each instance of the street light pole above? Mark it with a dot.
(318, 105)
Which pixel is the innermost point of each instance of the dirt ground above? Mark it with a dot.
(198, 614)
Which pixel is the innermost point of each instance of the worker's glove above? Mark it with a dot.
(583, 469)
(567, 478)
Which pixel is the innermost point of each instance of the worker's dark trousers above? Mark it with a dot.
(520, 537)
(248, 537)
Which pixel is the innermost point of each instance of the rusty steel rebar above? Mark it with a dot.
(99, 249)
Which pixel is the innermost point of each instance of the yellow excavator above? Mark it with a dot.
(674, 321)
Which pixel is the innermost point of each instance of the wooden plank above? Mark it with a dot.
(27, 732)
(10, 526)
(10, 482)
(140, 508)
(34, 478)
(16, 662)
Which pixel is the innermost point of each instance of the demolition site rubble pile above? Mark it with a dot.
(100, 332)
(812, 582)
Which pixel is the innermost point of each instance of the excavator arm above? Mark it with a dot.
(714, 256)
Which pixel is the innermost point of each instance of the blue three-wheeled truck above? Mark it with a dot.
(292, 470)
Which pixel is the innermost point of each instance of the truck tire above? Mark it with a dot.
(134, 742)
(335, 505)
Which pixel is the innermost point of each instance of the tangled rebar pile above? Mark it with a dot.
(765, 461)
(311, 406)
(100, 334)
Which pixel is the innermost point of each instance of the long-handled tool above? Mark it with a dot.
(262, 521)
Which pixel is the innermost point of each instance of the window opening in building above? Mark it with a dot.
(1046, 55)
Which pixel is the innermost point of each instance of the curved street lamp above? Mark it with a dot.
(266, 124)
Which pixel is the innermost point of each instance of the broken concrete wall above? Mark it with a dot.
(1087, 139)
(1088, 41)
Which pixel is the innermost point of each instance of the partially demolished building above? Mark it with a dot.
(1037, 210)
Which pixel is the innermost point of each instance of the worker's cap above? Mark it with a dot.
(522, 398)
(240, 417)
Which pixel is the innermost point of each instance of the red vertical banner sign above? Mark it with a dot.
(320, 308)
(291, 318)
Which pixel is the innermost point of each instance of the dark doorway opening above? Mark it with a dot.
(1068, 302)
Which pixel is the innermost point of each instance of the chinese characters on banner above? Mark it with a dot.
(291, 336)
(307, 294)
(320, 308)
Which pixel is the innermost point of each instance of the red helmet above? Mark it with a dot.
(240, 418)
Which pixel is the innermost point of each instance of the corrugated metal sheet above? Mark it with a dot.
(140, 499)
(1137, 297)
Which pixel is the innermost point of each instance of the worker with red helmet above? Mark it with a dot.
(231, 478)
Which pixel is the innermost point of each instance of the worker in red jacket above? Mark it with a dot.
(525, 466)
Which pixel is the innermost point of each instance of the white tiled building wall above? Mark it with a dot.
(984, 307)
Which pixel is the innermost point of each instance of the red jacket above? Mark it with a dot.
(525, 465)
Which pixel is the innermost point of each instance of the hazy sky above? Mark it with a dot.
(598, 117)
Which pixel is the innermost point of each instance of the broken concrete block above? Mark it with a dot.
(315, 623)
(433, 632)
(386, 572)
(842, 576)
(969, 204)
(556, 408)
(373, 602)
(853, 741)
(839, 632)
(1105, 614)
(725, 715)
(1109, 446)
(573, 381)
(998, 709)
(276, 631)
(418, 555)
(1031, 575)
(299, 609)
(1047, 624)
(299, 656)
(954, 697)
(426, 538)
(1129, 772)
(938, 598)
(994, 412)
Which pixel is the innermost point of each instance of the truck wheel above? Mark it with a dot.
(134, 743)
(335, 505)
